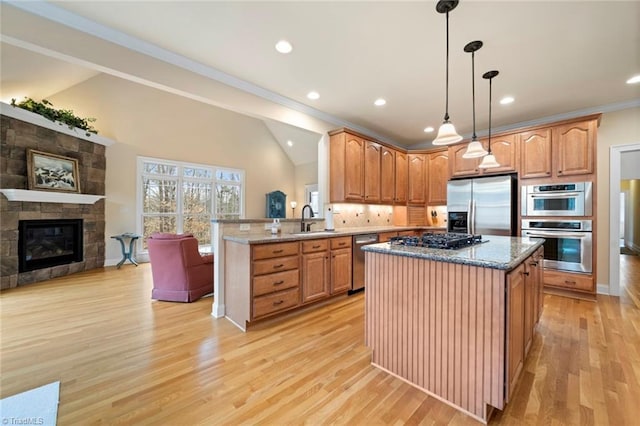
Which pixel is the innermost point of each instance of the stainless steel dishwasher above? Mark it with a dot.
(357, 279)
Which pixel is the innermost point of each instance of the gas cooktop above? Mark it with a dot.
(450, 241)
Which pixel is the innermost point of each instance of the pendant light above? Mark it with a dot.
(475, 148)
(489, 161)
(447, 132)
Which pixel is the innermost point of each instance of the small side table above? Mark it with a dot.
(126, 255)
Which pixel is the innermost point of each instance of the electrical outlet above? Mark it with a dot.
(245, 226)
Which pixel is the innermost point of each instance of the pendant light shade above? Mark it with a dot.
(447, 133)
(490, 160)
(475, 149)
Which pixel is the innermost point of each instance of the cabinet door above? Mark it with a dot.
(315, 274)
(417, 178)
(505, 149)
(535, 154)
(530, 303)
(387, 175)
(575, 144)
(340, 270)
(540, 282)
(402, 177)
(459, 166)
(438, 173)
(372, 172)
(354, 168)
(515, 328)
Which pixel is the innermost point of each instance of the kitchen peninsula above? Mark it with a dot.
(456, 324)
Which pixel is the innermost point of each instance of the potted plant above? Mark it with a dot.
(60, 116)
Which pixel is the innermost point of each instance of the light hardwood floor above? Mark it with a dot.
(124, 359)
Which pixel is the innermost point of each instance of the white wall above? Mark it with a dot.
(152, 123)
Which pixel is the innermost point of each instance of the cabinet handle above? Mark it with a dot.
(525, 273)
(316, 247)
(569, 282)
(559, 172)
(278, 266)
(342, 243)
(278, 251)
(279, 302)
(533, 264)
(278, 282)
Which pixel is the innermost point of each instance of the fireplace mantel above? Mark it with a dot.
(49, 196)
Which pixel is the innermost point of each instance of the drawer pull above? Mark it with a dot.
(279, 302)
(278, 266)
(315, 247)
(569, 282)
(342, 244)
(278, 251)
(525, 273)
(278, 282)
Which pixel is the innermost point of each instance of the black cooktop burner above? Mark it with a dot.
(450, 241)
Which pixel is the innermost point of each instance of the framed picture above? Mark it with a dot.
(52, 172)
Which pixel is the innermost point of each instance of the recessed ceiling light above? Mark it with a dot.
(507, 100)
(283, 46)
(313, 95)
(379, 102)
(290, 143)
(428, 129)
(633, 80)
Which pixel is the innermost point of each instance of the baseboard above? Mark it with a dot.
(602, 289)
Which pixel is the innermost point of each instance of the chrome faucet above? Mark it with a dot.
(306, 227)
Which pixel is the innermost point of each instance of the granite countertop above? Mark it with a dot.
(341, 232)
(496, 252)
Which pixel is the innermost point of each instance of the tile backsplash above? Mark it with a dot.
(358, 215)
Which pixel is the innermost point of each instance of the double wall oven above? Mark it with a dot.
(558, 213)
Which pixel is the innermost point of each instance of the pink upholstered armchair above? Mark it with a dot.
(180, 273)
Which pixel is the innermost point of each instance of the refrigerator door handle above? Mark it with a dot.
(470, 218)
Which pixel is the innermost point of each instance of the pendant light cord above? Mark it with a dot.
(490, 81)
(473, 93)
(446, 108)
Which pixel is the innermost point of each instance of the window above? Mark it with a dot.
(178, 197)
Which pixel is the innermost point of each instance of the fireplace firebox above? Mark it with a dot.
(46, 243)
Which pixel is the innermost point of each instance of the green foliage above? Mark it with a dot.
(62, 116)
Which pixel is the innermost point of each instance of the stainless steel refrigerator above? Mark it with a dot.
(482, 205)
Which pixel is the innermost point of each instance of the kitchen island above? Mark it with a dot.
(456, 324)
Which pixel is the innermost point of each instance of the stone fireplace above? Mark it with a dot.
(17, 135)
(49, 242)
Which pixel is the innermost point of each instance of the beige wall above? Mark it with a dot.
(306, 174)
(616, 128)
(153, 123)
(634, 203)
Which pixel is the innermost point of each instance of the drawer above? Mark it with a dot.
(279, 264)
(341, 242)
(270, 283)
(412, 233)
(268, 251)
(568, 281)
(265, 305)
(313, 246)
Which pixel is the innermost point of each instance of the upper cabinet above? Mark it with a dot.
(346, 167)
(535, 151)
(438, 175)
(460, 166)
(562, 150)
(372, 154)
(505, 149)
(387, 174)
(574, 144)
(417, 178)
(402, 177)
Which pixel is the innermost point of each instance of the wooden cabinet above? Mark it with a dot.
(372, 155)
(384, 237)
(315, 270)
(401, 177)
(569, 281)
(505, 149)
(438, 175)
(275, 278)
(535, 154)
(574, 148)
(515, 327)
(387, 175)
(459, 166)
(341, 252)
(417, 178)
(532, 292)
(346, 167)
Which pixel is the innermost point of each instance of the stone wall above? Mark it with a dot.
(16, 136)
